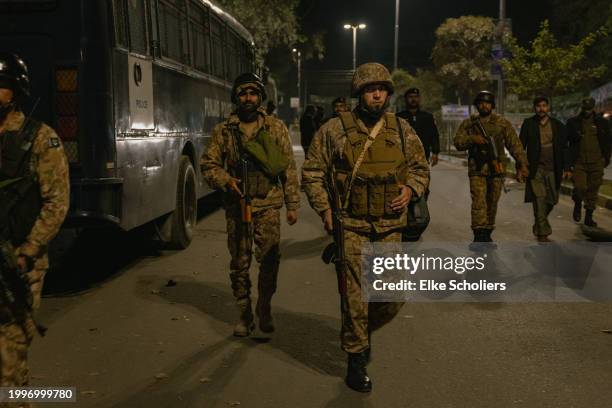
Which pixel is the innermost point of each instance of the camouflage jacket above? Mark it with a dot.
(49, 166)
(220, 155)
(503, 134)
(327, 146)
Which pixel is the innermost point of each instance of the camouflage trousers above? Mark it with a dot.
(264, 233)
(359, 318)
(15, 339)
(588, 177)
(485, 192)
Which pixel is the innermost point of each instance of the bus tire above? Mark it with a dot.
(183, 218)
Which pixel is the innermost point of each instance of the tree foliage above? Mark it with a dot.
(462, 53)
(547, 68)
(272, 23)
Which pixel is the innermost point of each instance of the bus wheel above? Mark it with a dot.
(183, 219)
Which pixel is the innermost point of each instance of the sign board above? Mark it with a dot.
(140, 78)
(295, 102)
(455, 112)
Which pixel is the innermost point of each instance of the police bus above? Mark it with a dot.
(133, 88)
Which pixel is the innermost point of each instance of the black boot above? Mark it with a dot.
(577, 214)
(588, 219)
(263, 310)
(480, 235)
(487, 235)
(356, 374)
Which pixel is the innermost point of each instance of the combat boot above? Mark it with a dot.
(577, 213)
(479, 235)
(264, 314)
(356, 374)
(486, 235)
(245, 324)
(588, 219)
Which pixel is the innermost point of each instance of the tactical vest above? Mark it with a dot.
(482, 154)
(259, 183)
(20, 200)
(382, 171)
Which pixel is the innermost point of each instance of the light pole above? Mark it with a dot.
(354, 27)
(500, 82)
(299, 76)
(397, 4)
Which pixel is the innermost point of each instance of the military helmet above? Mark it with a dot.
(14, 74)
(248, 78)
(485, 96)
(371, 73)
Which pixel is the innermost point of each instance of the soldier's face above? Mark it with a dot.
(340, 107)
(249, 99)
(542, 109)
(374, 97)
(6, 96)
(413, 100)
(484, 108)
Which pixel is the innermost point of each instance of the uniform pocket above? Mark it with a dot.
(376, 196)
(359, 197)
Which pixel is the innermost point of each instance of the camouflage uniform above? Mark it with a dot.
(361, 318)
(49, 165)
(485, 187)
(216, 163)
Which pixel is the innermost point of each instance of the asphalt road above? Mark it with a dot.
(126, 339)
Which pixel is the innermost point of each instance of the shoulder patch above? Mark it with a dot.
(54, 142)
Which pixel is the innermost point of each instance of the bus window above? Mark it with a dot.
(121, 37)
(200, 36)
(138, 26)
(173, 30)
(217, 34)
(233, 55)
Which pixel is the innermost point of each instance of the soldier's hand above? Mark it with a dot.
(521, 174)
(401, 201)
(232, 184)
(479, 139)
(22, 264)
(434, 159)
(328, 222)
(567, 175)
(291, 217)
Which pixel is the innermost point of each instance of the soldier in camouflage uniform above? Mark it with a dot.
(44, 160)
(378, 179)
(486, 182)
(220, 167)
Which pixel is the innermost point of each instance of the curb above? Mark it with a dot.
(566, 188)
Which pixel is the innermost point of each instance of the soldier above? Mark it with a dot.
(487, 162)
(423, 123)
(35, 203)
(590, 145)
(391, 164)
(307, 127)
(268, 180)
(338, 105)
(544, 139)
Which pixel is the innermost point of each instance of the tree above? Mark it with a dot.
(547, 68)
(431, 88)
(462, 53)
(272, 23)
(594, 14)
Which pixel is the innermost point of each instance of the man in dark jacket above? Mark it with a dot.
(590, 145)
(545, 141)
(307, 127)
(423, 123)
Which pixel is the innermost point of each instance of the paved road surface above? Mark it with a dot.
(113, 339)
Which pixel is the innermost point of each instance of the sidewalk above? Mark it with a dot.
(604, 200)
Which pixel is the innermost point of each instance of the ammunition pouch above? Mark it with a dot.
(371, 196)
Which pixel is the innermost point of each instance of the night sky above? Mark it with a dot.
(418, 21)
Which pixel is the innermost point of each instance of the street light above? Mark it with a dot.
(360, 26)
(299, 76)
(397, 4)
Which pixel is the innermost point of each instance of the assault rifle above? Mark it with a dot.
(15, 293)
(494, 159)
